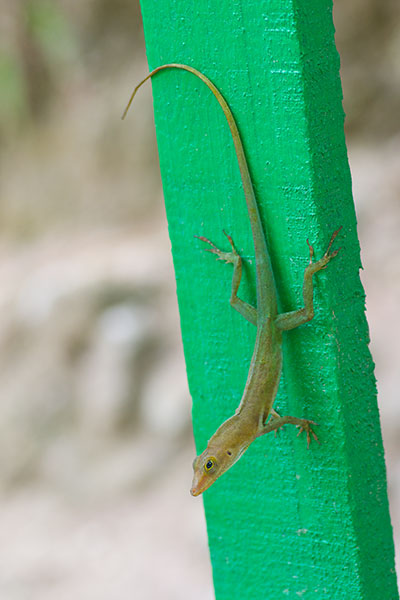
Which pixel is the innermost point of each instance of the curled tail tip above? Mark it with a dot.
(127, 107)
(124, 113)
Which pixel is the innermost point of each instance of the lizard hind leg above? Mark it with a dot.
(245, 309)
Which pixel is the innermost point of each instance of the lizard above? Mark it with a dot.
(250, 420)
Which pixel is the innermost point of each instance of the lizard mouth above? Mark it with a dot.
(200, 485)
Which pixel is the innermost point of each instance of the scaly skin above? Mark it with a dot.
(235, 435)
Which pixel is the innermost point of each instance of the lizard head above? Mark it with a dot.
(212, 463)
(207, 468)
(225, 447)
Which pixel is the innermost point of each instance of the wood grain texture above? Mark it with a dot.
(284, 522)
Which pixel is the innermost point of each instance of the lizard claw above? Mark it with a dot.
(321, 264)
(334, 235)
(311, 250)
(229, 257)
(306, 426)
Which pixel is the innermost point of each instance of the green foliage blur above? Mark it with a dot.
(43, 42)
(65, 72)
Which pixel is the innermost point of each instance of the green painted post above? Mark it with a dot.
(284, 522)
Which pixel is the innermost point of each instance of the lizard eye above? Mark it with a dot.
(210, 464)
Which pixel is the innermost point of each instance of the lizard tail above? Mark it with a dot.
(244, 171)
(263, 266)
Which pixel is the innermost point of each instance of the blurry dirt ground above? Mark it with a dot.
(95, 435)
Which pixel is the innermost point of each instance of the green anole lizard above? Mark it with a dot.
(249, 422)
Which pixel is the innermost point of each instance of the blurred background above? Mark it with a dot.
(95, 434)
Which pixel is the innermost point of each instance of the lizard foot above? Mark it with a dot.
(229, 257)
(276, 423)
(322, 262)
(305, 425)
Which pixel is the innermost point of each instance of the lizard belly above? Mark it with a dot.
(264, 375)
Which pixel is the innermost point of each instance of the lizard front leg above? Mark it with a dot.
(245, 309)
(277, 422)
(293, 319)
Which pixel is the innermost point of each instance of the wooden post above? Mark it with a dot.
(284, 522)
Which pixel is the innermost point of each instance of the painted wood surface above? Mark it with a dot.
(284, 522)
